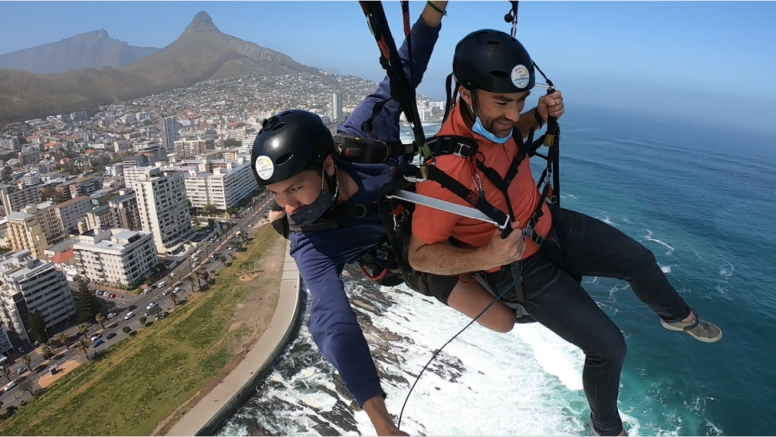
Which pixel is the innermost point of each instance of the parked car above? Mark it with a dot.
(95, 337)
(97, 343)
(111, 335)
(111, 315)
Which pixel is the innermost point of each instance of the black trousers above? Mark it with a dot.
(555, 298)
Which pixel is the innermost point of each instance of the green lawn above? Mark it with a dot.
(133, 387)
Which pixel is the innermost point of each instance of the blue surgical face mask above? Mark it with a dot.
(308, 215)
(479, 129)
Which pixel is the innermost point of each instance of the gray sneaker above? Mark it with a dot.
(700, 329)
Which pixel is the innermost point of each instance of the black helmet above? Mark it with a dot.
(493, 61)
(287, 144)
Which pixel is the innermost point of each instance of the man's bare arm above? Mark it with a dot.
(447, 260)
(444, 259)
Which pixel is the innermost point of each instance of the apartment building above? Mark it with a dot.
(225, 187)
(125, 210)
(25, 232)
(15, 198)
(164, 209)
(116, 257)
(27, 285)
(70, 212)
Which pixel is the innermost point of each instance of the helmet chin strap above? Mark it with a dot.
(333, 181)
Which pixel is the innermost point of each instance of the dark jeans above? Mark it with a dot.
(556, 299)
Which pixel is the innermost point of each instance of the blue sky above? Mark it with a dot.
(711, 61)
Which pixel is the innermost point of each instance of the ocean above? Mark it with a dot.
(702, 198)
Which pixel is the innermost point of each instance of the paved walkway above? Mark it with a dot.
(225, 398)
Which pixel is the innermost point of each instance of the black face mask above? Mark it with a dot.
(308, 215)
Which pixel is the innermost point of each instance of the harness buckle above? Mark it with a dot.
(505, 224)
(414, 179)
(459, 150)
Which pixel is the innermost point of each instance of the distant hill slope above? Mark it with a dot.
(202, 52)
(87, 50)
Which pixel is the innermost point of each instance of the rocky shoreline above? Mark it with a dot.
(259, 416)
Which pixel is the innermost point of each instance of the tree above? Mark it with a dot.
(4, 371)
(63, 339)
(88, 306)
(126, 329)
(209, 209)
(51, 193)
(46, 351)
(27, 386)
(143, 320)
(192, 279)
(82, 330)
(173, 299)
(26, 360)
(231, 142)
(83, 346)
(160, 269)
(100, 319)
(199, 275)
(38, 325)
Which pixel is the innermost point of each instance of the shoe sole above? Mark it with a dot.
(701, 339)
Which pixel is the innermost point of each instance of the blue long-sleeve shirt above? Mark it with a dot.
(322, 255)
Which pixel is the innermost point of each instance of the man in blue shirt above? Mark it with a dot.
(331, 207)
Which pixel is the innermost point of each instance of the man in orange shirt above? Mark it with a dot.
(495, 74)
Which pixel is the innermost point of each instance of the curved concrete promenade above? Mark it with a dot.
(205, 417)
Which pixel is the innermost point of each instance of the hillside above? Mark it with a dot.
(87, 50)
(202, 52)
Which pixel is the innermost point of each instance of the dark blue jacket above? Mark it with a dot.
(321, 255)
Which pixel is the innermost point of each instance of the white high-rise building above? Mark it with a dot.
(164, 209)
(169, 133)
(117, 257)
(29, 285)
(336, 108)
(224, 187)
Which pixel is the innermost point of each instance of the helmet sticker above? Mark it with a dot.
(264, 167)
(520, 76)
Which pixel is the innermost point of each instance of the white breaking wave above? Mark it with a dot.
(526, 382)
(727, 271)
(670, 248)
(666, 269)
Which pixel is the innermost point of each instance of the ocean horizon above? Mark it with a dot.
(700, 197)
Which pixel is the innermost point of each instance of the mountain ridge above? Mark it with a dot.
(200, 53)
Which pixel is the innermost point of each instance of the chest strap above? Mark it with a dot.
(468, 148)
